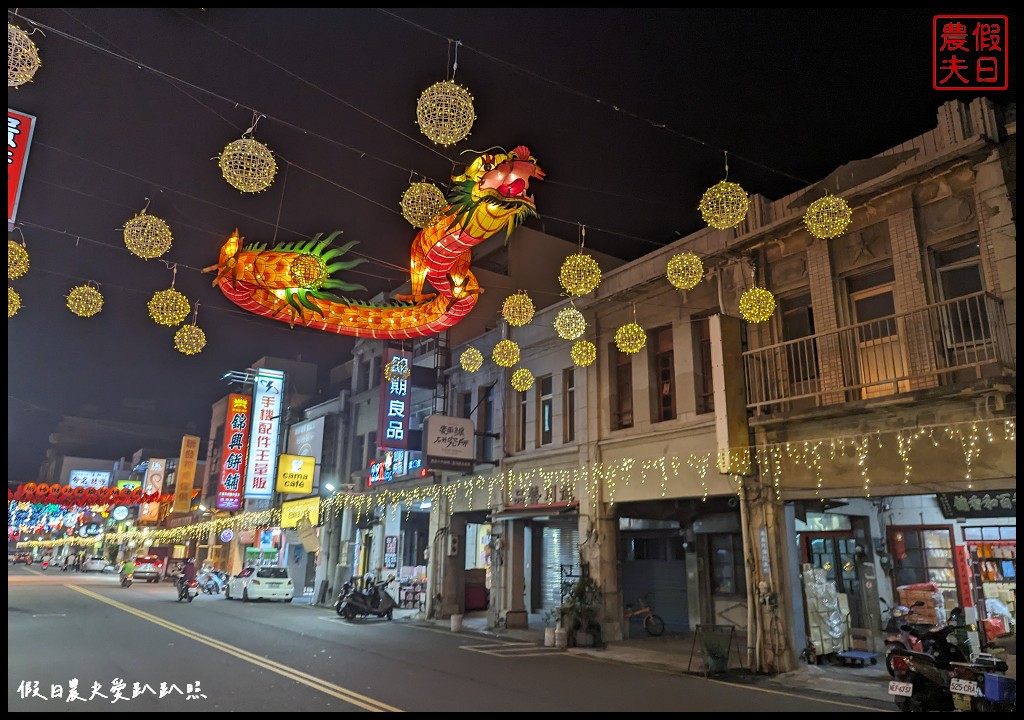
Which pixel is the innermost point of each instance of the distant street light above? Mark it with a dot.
(330, 488)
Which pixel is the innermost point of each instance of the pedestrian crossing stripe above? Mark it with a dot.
(510, 649)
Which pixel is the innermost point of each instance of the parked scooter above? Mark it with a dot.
(375, 600)
(921, 680)
(983, 686)
(900, 617)
(188, 590)
(212, 582)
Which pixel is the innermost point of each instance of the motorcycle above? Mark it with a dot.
(375, 600)
(921, 680)
(45, 564)
(187, 590)
(983, 686)
(126, 580)
(901, 616)
(212, 582)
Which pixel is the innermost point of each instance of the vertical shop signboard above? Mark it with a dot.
(391, 552)
(236, 445)
(393, 420)
(20, 128)
(963, 575)
(152, 485)
(266, 422)
(187, 460)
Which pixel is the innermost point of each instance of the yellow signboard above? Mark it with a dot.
(186, 474)
(292, 511)
(295, 474)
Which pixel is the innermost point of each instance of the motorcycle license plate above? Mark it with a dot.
(903, 689)
(963, 687)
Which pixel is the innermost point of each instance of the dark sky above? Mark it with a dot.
(628, 111)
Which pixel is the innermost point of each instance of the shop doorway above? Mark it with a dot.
(836, 554)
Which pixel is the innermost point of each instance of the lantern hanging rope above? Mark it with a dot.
(828, 217)
(517, 309)
(522, 380)
(445, 111)
(17, 257)
(471, 359)
(247, 164)
(583, 353)
(147, 236)
(685, 270)
(505, 354)
(422, 202)
(570, 323)
(13, 302)
(168, 307)
(85, 300)
(22, 57)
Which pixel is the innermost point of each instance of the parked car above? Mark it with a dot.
(22, 558)
(94, 564)
(261, 583)
(149, 568)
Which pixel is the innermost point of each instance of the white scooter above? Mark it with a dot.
(187, 590)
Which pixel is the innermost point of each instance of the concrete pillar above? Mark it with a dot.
(453, 583)
(514, 591)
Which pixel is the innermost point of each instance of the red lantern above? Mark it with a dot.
(136, 496)
(55, 489)
(78, 495)
(67, 491)
(29, 487)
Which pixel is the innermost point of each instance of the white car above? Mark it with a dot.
(261, 583)
(94, 564)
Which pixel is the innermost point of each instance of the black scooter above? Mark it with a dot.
(921, 679)
(375, 600)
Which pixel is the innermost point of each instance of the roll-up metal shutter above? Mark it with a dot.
(560, 541)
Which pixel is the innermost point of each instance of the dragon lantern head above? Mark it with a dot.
(500, 180)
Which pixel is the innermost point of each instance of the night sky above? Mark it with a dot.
(629, 112)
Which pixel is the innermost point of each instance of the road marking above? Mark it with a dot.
(328, 688)
(512, 649)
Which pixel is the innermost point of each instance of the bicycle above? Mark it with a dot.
(652, 623)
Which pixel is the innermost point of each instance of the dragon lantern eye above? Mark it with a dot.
(488, 166)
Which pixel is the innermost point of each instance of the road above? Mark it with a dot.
(138, 649)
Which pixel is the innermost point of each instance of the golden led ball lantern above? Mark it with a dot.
(630, 338)
(724, 205)
(522, 380)
(570, 323)
(189, 340)
(757, 304)
(422, 203)
(147, 236)
(583, 353)
(13, 302)
(17, 260)
(22, 57)
(168, 307)
(445, 112)
(471, 359)
(505, 354)
(580, 274)
(397, 369)
(85, 301)
(517, 309)
(685, 271)
(828, 217)
(248, 165)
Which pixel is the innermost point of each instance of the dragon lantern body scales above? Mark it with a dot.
(293, 282)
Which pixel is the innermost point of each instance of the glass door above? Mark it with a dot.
(835, 553)
(879, 354)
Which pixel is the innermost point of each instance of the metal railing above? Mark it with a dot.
(940, 344)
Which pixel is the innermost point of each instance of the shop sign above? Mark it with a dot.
(293, 511)
(540, 495)
(227, 535)
(154, 485)
(267, 402)
(295, 474)
(391, 552)
(448, 443)
(188, 458)
(232, 458)
(393, 464)
(979, 504)
(393, 418)
(20, 128)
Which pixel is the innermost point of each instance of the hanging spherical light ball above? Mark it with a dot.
(397, 369)
(583, 353)
(505, 353)
(757, 304)
(828, 217)
(147, 236)
(17, 260)
(248, 165)
(630, 338)
(421, 203)
(189, 340)
(724, 205)
(13, 302)
(22, 57)
(517, 309)
(580, 274)
(570, 323)
(522, 380)
(444, 112)
(471, 359)
(85, 300)
(168, 307)
(685, 270)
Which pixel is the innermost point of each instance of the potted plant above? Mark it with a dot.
(580, 610)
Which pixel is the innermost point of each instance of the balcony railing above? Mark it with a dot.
(946, 343)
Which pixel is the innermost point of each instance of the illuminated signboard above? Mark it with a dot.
(295, 474)
(394, 464)
(293, 511)
(153, 485)
(267, 402)
(90, 479)
(187, 460)
(448, 443)
(393, 417)
(20, 128)
(232, 459)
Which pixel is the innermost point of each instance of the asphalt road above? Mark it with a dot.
(138, 649)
